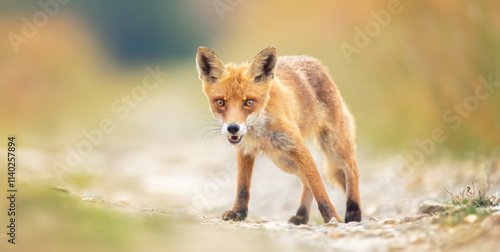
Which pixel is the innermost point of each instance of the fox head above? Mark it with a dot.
(237, 95)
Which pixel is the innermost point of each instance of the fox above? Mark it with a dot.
(270, 106)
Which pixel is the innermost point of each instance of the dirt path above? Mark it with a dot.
(191, 181)
(194, 192)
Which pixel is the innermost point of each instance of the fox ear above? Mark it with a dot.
(263, 66)
(210, 67)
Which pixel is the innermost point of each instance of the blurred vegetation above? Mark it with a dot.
(424, 62)
(50, 220)
(471, 205)
(399, 87)
(53, 219)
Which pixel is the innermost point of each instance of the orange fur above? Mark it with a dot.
(291, 98)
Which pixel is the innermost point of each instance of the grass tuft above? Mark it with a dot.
(469, 197)
(471, 205)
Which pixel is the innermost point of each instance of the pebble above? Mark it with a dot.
(119, 204)
(306, 227)
(352, 224)
(393, 234)
(89, 199)
(389, 221)
(429, 207)
(410, 219)
(423, 216)
(413, 226)
(331, 224)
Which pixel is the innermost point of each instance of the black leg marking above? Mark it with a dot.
(238, 215)
(353, 212)
(301, 218)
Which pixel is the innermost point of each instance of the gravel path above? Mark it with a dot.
(193, 180)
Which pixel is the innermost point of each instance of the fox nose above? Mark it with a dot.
(233, 128)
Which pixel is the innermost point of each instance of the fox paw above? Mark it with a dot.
(352, 216)
(235, 215)
(353, 211)
(297, 220)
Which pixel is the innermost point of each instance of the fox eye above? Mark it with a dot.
(220, 103)
(248, 103)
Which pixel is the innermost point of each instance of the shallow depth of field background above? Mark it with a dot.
(427, 61)
(399, 86)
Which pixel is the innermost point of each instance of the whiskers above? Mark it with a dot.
(210, 132)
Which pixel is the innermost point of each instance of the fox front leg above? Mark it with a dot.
(239, 211)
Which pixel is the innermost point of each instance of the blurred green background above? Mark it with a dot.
(399, 86)
(416, 70)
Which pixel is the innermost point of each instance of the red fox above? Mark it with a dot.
(269, 106)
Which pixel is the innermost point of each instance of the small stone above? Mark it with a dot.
(423, 216)
(471, 218)
(373, 219)
(119, 204)
(89, 199)
(306, 227)
(124, 202)
(60, 189)
(261, 221)
(410, 219)
(352, 224)
(430, 207)
(389, 221)
(331, 224)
